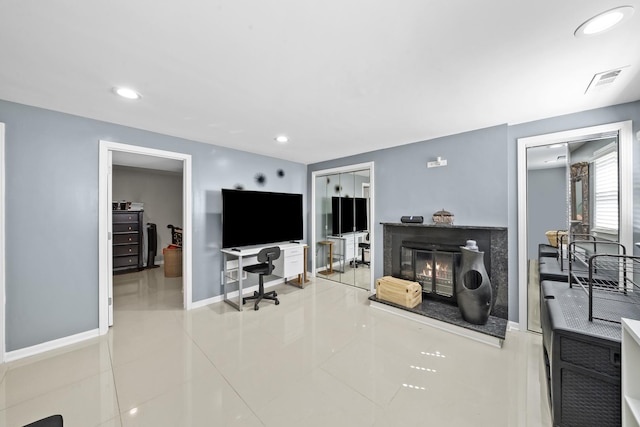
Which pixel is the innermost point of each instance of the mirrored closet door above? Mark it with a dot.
(342, 227)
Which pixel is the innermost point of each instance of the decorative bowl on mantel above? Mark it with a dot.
(443, 217)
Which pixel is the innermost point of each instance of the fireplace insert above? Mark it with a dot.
(434, 266)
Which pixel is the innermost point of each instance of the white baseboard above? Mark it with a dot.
(513, 326)
(50, 345)
(11, 356)
(464, 332)
(206, 302)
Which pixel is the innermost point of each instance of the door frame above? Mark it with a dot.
(2, 246)
(625, 176)
(345, 169)
(105, 227)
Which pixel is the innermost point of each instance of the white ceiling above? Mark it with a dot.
(338, 77)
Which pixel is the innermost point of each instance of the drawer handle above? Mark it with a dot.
(129, 249)
(129, 228)
(129, 238)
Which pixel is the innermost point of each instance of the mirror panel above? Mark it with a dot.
(342, 224)
(562, 194)
(614, 218)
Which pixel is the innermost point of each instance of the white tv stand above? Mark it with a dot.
(290, 263)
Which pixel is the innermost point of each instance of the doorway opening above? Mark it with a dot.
(2, 246)
(151, 159)
(575, 207)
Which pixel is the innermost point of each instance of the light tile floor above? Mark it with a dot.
(322, 357)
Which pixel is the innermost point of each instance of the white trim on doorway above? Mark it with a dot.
(105, 263)
(625, 164)
(3, 321)
(372, 222)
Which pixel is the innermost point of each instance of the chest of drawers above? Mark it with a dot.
(127, 241)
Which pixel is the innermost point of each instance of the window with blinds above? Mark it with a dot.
(605, 180)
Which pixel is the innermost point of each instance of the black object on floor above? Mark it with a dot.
(152, 245)
(52, 421)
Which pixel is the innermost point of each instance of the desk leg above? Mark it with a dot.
(225, 280)
(240, 293)
(302, 278)
(330, 259)
(223, 267)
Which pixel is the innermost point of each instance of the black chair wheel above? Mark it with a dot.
(244, 300)
(256, 307)
(275, 295)
(277, 302)
(255, 293)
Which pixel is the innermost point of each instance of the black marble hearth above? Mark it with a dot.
(438, 310)
(491, 240)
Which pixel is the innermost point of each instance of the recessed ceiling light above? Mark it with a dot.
(282, 139)
(604, 21)
(126, 93)
(555, 145)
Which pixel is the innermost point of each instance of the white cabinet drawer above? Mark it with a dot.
(350, 250)
(293, 266)
(290, 262)
(294, 252)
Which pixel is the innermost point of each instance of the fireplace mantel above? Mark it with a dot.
(491, 240)
(443, 227)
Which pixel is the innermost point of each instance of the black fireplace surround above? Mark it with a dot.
(430, 255)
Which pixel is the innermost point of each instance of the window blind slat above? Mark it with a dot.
(606, 191)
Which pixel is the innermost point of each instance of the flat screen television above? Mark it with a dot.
(260, 217)
(349, 214)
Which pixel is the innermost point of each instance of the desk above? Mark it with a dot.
(347, 244)
(290, 263)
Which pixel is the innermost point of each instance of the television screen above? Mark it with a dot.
(260, 217)
(348, 214)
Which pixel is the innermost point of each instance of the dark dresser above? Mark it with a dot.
(127, 241)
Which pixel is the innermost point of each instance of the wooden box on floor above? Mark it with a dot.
(399, 291)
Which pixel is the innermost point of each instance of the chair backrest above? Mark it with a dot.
(269, 255)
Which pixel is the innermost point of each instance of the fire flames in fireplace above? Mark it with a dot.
(433, 269)
(443, 272)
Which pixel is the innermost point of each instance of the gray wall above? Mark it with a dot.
(472, 186)
(52, 215)
(161, 193)
(52, 202)
(480, 185)
(617, 113)
(547, 204)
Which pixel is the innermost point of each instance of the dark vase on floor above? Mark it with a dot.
(473, 288)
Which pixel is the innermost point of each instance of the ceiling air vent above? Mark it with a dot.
(602, 80)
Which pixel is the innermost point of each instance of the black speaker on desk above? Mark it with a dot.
(412, 219)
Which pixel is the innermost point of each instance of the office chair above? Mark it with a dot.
(265, 257)
(363, 246)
